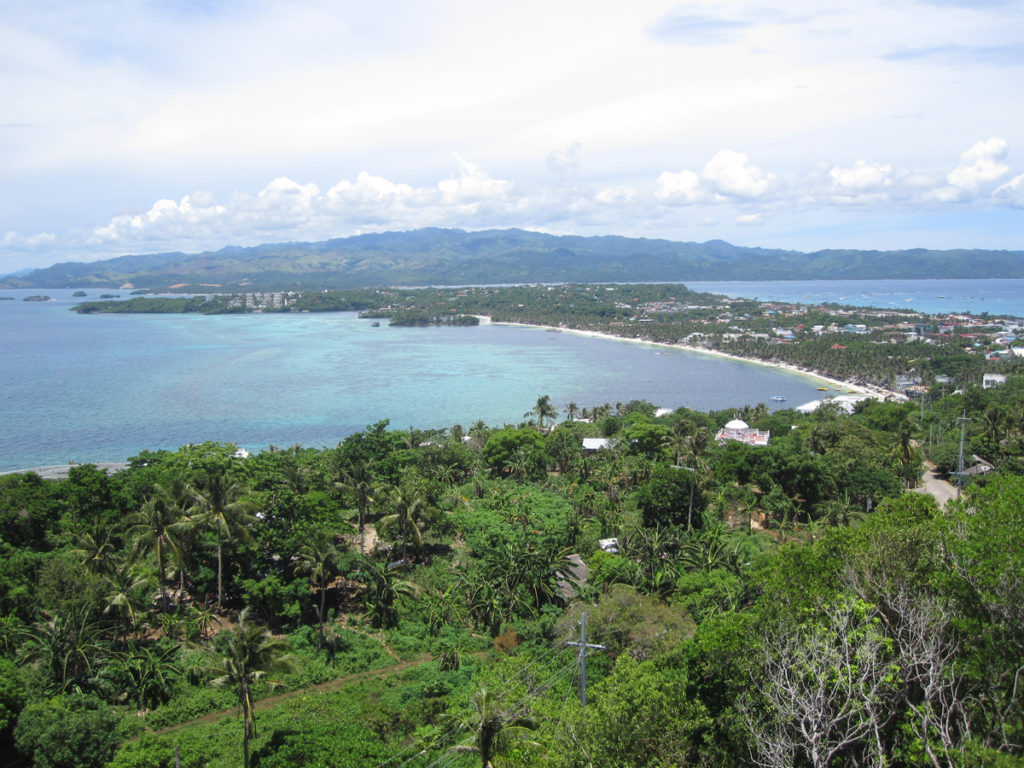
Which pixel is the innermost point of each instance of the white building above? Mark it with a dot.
(741, 432)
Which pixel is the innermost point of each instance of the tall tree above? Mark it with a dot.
(543, 410)
(321, 560)
(382, 588)
(226, 511)
(251, 653)
(411, 512)
(357, 480)
(161, 523)
(494, 730)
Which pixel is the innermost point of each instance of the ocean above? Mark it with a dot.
(996, 297)
(98, 388)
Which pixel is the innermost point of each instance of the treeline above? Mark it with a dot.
(206, 305)
(788, 605)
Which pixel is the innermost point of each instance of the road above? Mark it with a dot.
(932, 484)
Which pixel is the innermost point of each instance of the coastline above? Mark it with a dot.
(61, 471)
(879, 393)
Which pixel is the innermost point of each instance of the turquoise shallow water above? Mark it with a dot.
(105, 387)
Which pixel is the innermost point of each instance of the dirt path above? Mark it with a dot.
(330, 685)
(935, 486)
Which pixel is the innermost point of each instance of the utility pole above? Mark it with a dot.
(960, 468)
(583, 646)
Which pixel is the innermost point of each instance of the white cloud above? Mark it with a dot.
(862, 177)
(615, 195)
(980, 169)
(730, 173)
(980, 165)
(729, 189)
(473, 185)
(564, 160)
(14, 241)
(1012, 191)
(684, 186)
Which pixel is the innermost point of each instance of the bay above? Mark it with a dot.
(95, 388)
(996, 297)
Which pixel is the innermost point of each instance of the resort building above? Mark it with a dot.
(739, 430)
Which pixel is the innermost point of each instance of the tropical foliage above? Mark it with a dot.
(409, 597)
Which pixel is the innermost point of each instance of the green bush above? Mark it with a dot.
(68, 731)
(192, 703)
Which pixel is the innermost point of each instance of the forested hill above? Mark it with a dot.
(455, 257)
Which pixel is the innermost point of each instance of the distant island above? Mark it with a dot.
(452, 257)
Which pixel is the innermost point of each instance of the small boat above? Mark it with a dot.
(780, 398)
(823, 389)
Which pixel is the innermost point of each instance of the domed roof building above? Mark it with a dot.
(739, 430)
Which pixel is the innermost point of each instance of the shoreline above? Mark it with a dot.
(879, 393)
(61, 471)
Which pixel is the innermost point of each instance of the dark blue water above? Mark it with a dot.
(105, 387)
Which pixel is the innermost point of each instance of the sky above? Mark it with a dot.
(143, 127)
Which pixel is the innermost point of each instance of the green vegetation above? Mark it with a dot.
(407, 598)
(454, 257)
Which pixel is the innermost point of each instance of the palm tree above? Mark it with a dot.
(226, 510)
(96, 551)
(543, 410)
(494, 730)
(572, 411)
(321, 559)
(252, 652)
(382, 590)
(160, 525)
(411, 511)
(125, 597)
(152, 671)
(64, 647)
(358, 481)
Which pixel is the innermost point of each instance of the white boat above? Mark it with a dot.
(780, 398)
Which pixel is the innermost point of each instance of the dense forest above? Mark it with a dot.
(417, 599)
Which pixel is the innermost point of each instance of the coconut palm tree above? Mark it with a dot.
(251, 654)
(321, 559)
(382, 588)
(160, 525)
(357, 480)
(495, 731)
(225, 510)
(125, 595)
(411, 513)
(542, 410)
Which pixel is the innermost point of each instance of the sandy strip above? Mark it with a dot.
(60, 471)
(860, 389)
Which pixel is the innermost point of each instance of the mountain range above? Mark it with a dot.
(455, 257)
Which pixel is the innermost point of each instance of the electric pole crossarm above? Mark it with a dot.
(583, 645)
